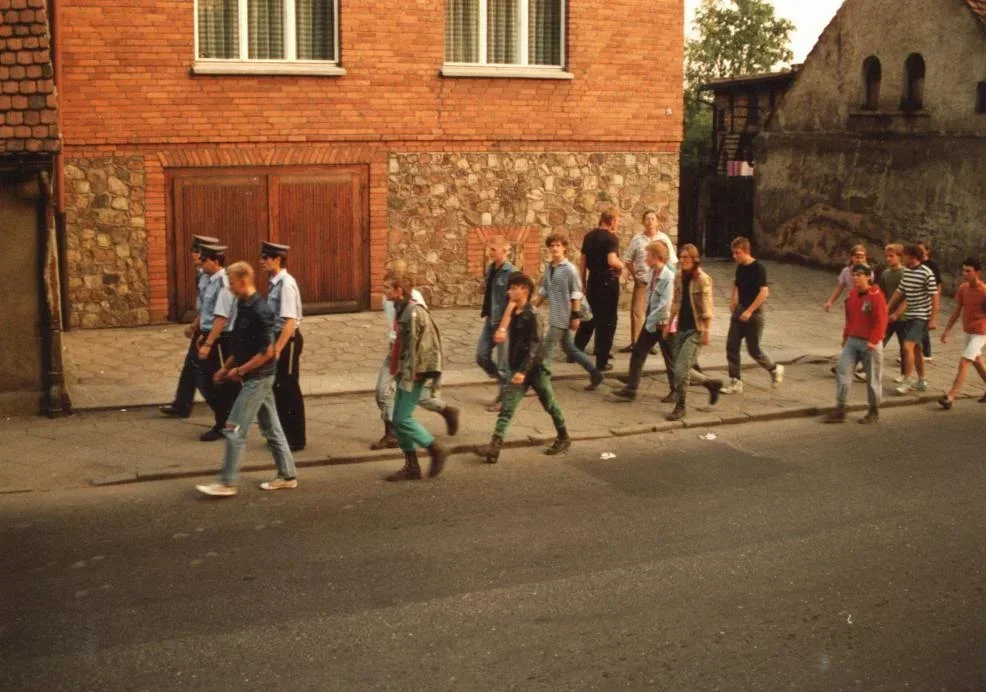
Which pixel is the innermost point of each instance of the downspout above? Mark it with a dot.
(61, 239)
(54, 401)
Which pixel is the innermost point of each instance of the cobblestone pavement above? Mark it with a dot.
(124, 368)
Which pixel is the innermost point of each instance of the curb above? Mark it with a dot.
(704, 419)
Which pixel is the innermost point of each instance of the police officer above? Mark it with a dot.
(184, 399)
(216, 320)
(284, 300)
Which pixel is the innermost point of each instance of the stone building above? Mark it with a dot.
(357, 132)
(30, 358)
(882, 136)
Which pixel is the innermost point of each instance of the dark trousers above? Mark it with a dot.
(896, 329)
(539, 380)
(219, 397)
(287, 393)
(751, 331)
(645, 342)
(604, 298)
(185, 393)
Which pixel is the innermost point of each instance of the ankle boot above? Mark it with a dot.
(411, 470)
(561, 445)
(439, 454)
(451, 416)
(491, 452)
(389, 439)
(678, 413)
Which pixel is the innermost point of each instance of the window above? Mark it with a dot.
(872, 77)
(913, 98)
(267, 37)
(512, 38)
(981, 97)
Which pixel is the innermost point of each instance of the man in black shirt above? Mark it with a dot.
(750, 292)
(528, 369)
(252, 363)
(601, 261)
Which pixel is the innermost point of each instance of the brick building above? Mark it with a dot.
(881, 137)
(357, 132)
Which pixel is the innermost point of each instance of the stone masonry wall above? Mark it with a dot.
(444, 204)
(107, 242)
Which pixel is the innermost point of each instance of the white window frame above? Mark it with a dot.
(522, 69)
(290, 65)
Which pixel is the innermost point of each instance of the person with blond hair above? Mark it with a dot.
(251, 363)
(692, 307)
(857, 256)
(635, 259)
(490, 355)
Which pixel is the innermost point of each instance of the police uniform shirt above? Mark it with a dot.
(284, 300)
(201, 281)
(218, 301)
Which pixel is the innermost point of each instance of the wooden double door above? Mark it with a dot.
(321, 212)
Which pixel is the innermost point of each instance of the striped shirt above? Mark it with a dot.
(918, 286)
(561, 285)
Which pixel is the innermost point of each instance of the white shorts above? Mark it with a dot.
(974, 344)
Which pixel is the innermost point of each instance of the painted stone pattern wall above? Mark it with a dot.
(442, 206)
(106, 242)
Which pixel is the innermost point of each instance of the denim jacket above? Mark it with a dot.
(494, 306)
(420, 343)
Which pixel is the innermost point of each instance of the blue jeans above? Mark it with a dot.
(255, 402)
(490, 356)
(564, 336)
(856, 351)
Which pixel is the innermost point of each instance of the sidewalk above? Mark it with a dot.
(128, 446)
(124, 368)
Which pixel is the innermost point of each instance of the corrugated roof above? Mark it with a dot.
(754, 78)
(979, 8)
(28, 103)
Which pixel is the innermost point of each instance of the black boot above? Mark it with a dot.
(389, 439)
(411, 470)
(837, 416)
(678, 413)
(671, 398)
(715, 389)
(451, 416)
(173, 411)
(439, 455)
(491, 452)
(561, 445)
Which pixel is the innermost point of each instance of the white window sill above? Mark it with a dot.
(506, 72)
(257, 67)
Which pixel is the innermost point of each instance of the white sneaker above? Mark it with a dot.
(860, 375)
(922, 385)
(900, 378)
(217, 490)
(735, 386)
(904, 387)
(777, 376)
(929, 360)
(280, 484)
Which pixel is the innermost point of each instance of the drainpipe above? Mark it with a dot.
(61, 240)
(55, 402)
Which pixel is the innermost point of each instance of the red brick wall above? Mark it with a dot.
(126, 80)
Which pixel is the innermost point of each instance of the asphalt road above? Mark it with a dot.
(778, 556)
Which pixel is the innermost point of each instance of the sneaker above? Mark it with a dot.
(900, 378)
(946, 403)
(872, 416)
(922, 385)
(860, 375)
(626, 395)
(217, 490)
(904, 387)
(608, 367)
(595, 379)
(735, 386)
(628, 349)
(654, 351)
(929, 360)
(777, 376)
(560, 446)
(837, 416)
(280, 484)
(172, 411)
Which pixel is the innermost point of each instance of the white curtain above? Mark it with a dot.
(219, 29)
(502, 32)
(266, 29)
(462, 31)
(315, 20)
(544, 35)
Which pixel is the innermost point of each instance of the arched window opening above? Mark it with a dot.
(913, 99)
(872, 77)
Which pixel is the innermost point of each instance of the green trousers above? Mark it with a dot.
(687, 346)
(410, 433)
(539, 380)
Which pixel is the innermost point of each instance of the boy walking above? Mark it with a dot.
(862, 342)
(416, 362)
(970, 303)
(494, 305)
(915, 303)
(528, 371)
(750, 293)
(890, 278)
(252, 364)
(660, 291)
(692, 307)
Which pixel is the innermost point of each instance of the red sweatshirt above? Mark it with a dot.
(866, 315)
